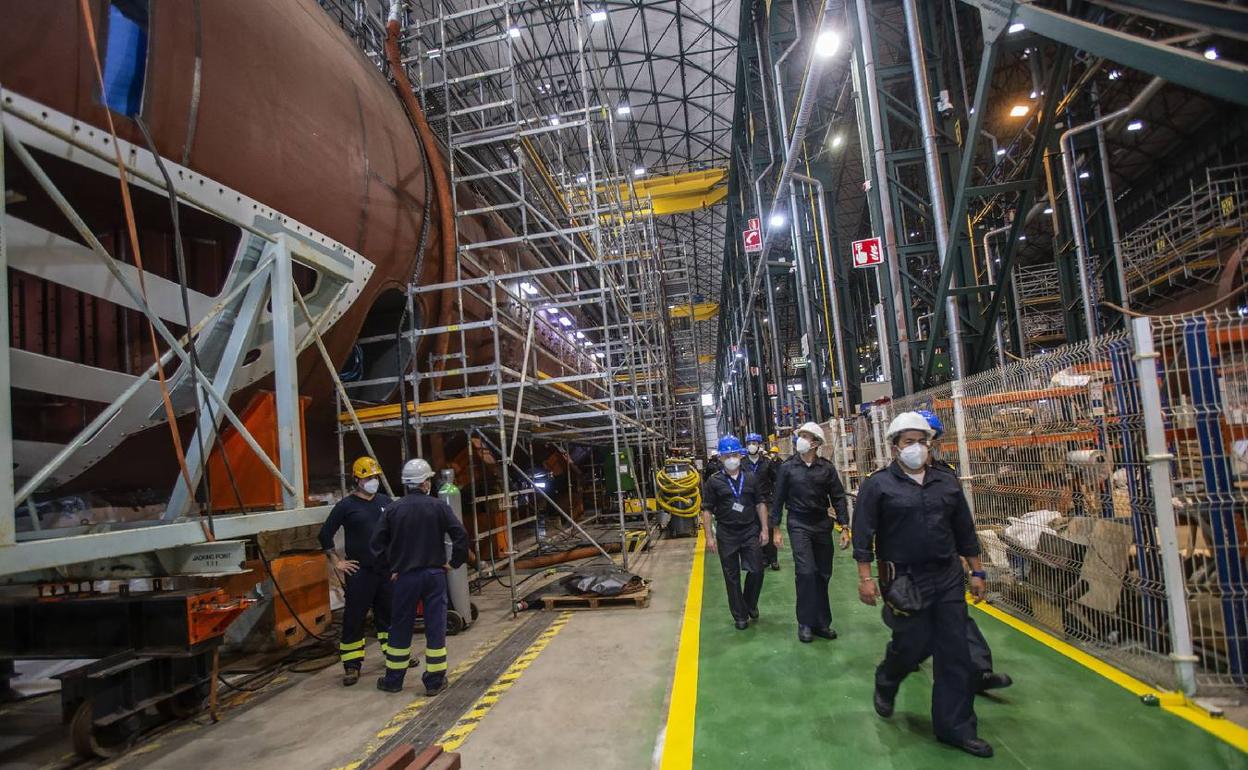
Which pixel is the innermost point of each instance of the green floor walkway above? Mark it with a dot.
(767, 701)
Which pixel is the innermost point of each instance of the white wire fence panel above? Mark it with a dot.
(1204, 394)
(1065, 491)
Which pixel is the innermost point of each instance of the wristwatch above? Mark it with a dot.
(979, 573)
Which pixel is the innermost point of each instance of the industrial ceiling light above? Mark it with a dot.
(582, 179)
(597, 15)
(1084, 175)
(1033, 94)
(1135, 125)
(514, 32)
(554, 120)
(1017, 27)
(837, 140)
(1048, 209)
(776, 220)
(563, 319)
(528, 288)
(1000, 152)
(580, 335)
(623, 109)
(827, 44)
(1019, 110)
(1115, 74)
(1211, 53)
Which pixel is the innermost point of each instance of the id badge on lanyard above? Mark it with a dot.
(737, 507)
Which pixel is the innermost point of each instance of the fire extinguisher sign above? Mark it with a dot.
(867, 253)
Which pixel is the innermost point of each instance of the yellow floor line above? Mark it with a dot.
(453, 738)
(1174, 702)
(413, 709)
(678, 735)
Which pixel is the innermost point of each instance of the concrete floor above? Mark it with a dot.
(594, 698)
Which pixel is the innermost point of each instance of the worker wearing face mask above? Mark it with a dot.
(981, 653)
(917, 521)
(365, 586)
(809, 489)
(731, 496)
(758, 463)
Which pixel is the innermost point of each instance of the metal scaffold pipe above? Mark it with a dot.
(1072, 195)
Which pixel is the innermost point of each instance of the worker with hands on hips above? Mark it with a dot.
(731, 496)
(916, 520)
(365, 585)
(809, 493)
(411, 542)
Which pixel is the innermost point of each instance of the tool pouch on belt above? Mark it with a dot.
(900, 592)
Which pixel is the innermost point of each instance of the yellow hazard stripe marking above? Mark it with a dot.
(413, 709)
(453, 738)
(678, 735)
(1174, 702)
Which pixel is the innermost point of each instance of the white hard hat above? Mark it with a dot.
(416, 472)
(909, 421)
(814, 429)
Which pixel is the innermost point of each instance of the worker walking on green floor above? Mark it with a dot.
(758, 463)
(410, 542)
(808, 488)
(365, 585)
(731, 496)
(981, 653)
(917, 521)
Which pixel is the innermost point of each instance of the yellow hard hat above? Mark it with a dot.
(365, 467)
(775, 448)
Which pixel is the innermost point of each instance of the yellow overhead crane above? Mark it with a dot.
(672, 194)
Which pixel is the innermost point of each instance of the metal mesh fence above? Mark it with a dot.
(1109, 484)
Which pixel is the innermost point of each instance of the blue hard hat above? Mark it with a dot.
(937, 426)
(730, 445)
(753, 438)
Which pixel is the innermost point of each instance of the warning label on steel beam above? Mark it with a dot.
(867, 253)
(753, 237)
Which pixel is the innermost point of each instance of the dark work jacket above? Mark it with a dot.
(358, 518)
(765, 470)
(903, 522)
(718, 497)
(808, 492)
(411, 535)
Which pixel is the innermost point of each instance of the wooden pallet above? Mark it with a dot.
(638, 599)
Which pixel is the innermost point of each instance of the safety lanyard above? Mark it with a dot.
(736, 490)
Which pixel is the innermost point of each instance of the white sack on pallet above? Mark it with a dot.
(1026, 529)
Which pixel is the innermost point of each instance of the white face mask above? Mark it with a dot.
(370, 486)
(731, 464)
(753, 449)
(913, 457)
(803, 445)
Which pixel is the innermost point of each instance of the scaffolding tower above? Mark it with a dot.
(557, 260)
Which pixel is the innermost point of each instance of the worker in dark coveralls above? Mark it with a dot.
(410, 542)
(809, 492)
(758, 463)
(981, 653)
(365, 586)
(917, 521)
(731, 496)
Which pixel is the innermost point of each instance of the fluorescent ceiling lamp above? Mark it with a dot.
(1019, 110)
(1084, 175)
(563, 319)
(623, 109)
(708, 399)
(514, 32)
(639, 171)
(1022, 237)
(1135, 125)
(597, 15)
(600, 355)
(580, 335)
(554, 120)
(827, 44)
(1017, 27)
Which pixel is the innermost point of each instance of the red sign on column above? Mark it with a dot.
(867, 253)
(753, 237)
